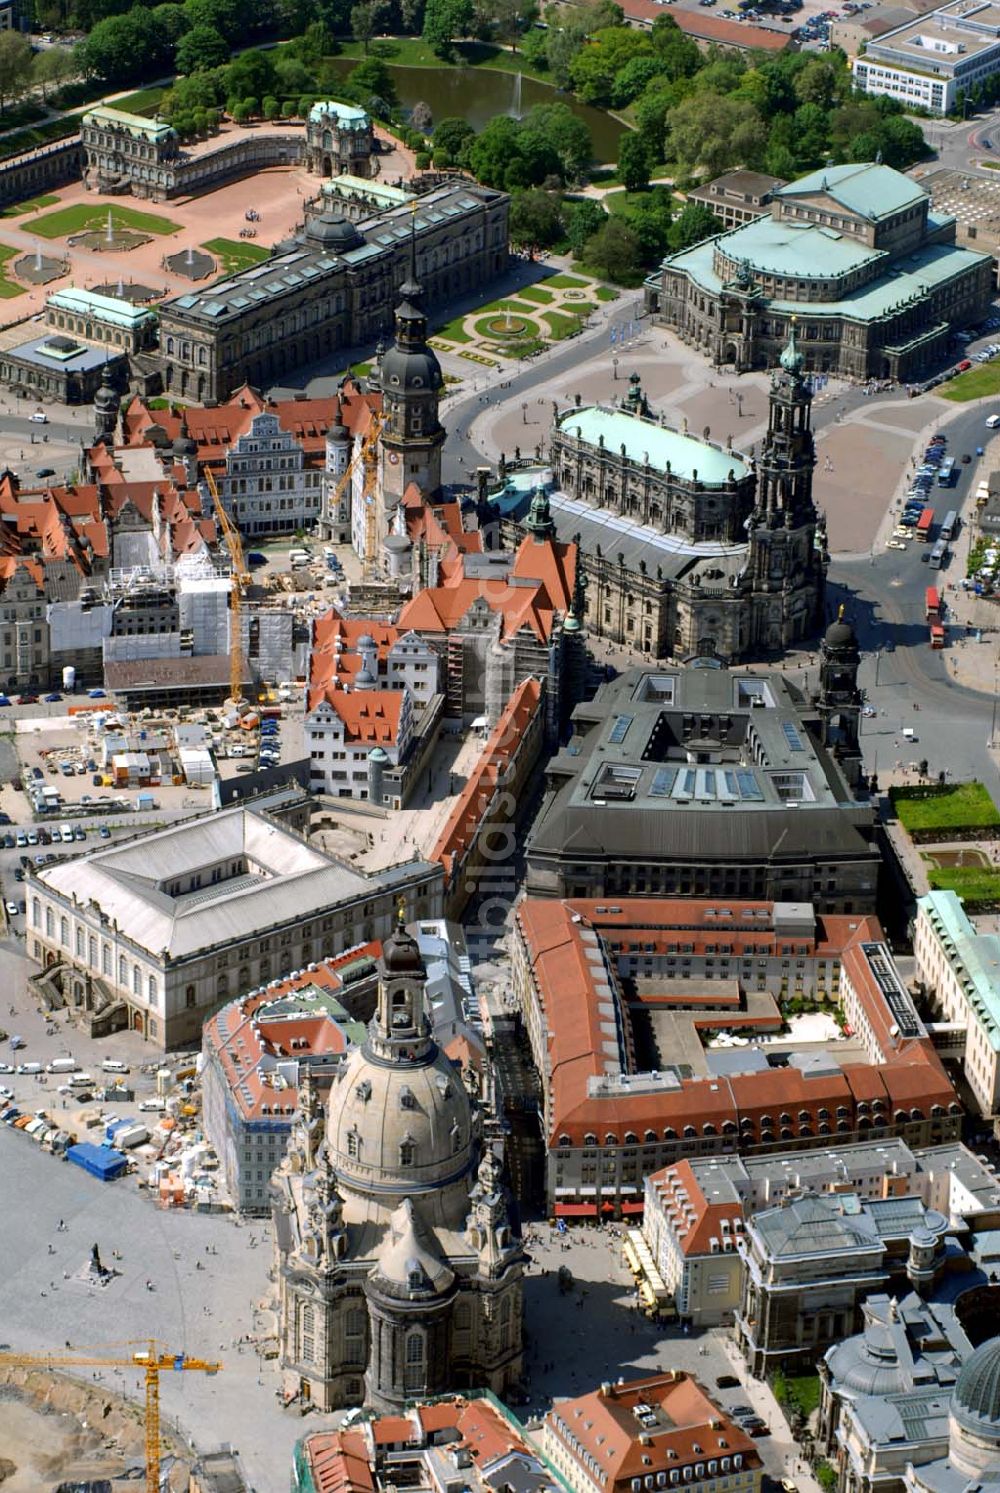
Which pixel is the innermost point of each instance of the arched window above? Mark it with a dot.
(136, 980)
(463, 1317)
(353, 1144)
(151, 990)
(122, 970)
(64, 932)
(413, 1376)
(407, 1151)
(308, 1334)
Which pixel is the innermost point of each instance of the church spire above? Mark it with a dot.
(540, 523)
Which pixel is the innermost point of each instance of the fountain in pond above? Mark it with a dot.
(516, 107)
(111, 228)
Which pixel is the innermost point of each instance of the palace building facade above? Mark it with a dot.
(332, 285)
(856, 253)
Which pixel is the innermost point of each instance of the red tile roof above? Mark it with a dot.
(686, 1427)
(472, 805)
(214, 430)
(540, 585)
(694, 1236)
(339, 1462)
(555, 939)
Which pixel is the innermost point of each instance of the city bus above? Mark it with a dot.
(938, 555)
(932, 604)
(950, 526)
(946, 471)
(925, 524)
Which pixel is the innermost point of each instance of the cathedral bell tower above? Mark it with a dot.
(787, 568)
(411, 381)
(839, 699)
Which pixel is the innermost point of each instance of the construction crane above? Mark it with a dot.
(369, 455)
(241, 577)
(150, 1356)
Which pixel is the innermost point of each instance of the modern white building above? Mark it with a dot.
(960, 969)
(932, 58)
(160, 930)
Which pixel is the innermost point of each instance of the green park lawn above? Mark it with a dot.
(81, 217)
(413, 51)
(567, 282)
(234, 255)
(537, 294)
(606, 293)
(805, 1391)
(8, 288)
(453, 331)
(975, 383)
(972, 883)
(954, 807)
(32, 205)
(562, 325)
(145, 101)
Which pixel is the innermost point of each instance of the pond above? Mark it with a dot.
(476, 94)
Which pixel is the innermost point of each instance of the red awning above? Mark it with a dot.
(632, 1207)
(607, 1207)
(576, 1210)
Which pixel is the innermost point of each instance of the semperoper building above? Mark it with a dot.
(855, 254)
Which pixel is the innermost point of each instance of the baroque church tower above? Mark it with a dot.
(399, 1270)
(411, 381)
(786, 564)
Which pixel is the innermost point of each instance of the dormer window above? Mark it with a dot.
(353, 1144)
(407, 1151)
(364, 1091)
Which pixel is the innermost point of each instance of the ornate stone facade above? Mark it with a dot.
(853, 252)
(399, 1273)
(340, 140)
(325, 289)
(125, 153)
(690, 548)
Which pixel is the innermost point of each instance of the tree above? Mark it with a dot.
(634, 162)
(633, 78)
(693, 223)
(562, 45)
(371, 78)
(251, 75)
(715, 132)
(294, 77)
(228, 17)
(444, 20)
(243, 111)
(492, 151)
(613, 251)
(202, 47)
(366, 21)
(270, 107)
(421, 117)
(52, 68)
(15, 67)
(584, 220)
(536, 219)
(453, 135)
(124, 48)
(679, 54)
(173, 20)
(650, 220)
(567, 134)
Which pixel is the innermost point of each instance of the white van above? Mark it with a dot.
(29, 1068)
(81, 1081)
(66, 834)
(113, 1065)
(62, 1065)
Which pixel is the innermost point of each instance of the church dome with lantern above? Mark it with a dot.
(400, 1120)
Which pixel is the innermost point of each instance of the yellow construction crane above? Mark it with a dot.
(369, 455)
(149, 1356)
(241, 576)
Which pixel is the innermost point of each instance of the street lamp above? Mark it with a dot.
(614, 368)
(524, 413)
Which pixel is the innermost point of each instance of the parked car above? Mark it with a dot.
(105, 832)
(51, 699)
(727, 1381)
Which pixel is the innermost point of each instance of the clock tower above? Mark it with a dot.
(411, 381)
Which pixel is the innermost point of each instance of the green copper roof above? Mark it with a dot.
(873, 192)
(684, 454)
(975, 955)
(134, 124)
(906, 279)
(807, 252)
(114, 310)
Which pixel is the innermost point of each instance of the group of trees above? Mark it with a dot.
(21, 69)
